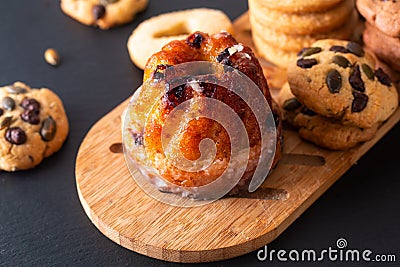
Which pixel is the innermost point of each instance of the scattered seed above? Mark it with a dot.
(291, 104)
(355, 80)
(383, 78)
(8, 103)
(13, 89)
(52, 57)
(30, 116)
(334, 81)
(339, 49)
(48, 130)
(359, 102)
(117, 148)
(341, 61)
(6, 122)
(355, 49)
(368, 71)
(15, 136)
(98, 11)
(306, 63)
(309, 51)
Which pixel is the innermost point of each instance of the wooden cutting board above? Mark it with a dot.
(223, 229)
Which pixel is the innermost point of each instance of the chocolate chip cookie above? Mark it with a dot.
(324, 132)
(338, 79)
(103, 13)
(382, 14)
(33, 125)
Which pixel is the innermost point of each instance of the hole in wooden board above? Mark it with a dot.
(117, 148)
(302, 159)
(266, 193)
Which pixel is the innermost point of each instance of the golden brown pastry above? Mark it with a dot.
(219, 48)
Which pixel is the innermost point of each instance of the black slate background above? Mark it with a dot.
(41, 220)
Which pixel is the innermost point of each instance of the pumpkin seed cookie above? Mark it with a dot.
(33, 125)
(309, 23)
(300, 6)
(322, 131)
(337, 79)
(382, 14)
(103, 13)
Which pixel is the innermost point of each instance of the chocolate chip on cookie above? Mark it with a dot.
(360, 101)
(15, 136)
(356, 81)
(383, 78)
(339, 49)
(98, 11)
(306, 63)
(30, 116)
(30, 104)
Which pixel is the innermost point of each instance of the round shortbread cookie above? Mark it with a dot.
(309, 23)
(273, 54)
(299, 6)
(292, 42)
(151, 35)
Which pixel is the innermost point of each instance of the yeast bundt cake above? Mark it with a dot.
(218, 48)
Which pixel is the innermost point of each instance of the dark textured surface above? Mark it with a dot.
(41, 220)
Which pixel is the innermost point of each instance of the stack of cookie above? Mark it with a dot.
(281, 28)
(382, 29)
(336, 96)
